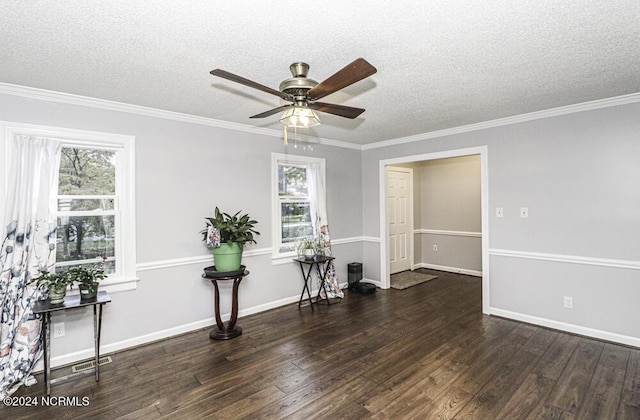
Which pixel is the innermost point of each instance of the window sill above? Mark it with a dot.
(113, 285)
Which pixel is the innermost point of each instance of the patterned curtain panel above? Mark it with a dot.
(28, 246)
(317, 190)
(332, 287)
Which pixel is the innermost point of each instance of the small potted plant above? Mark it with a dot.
(226, 235)
(54, 285)
(87, 277)
(307, 247)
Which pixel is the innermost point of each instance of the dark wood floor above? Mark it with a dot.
(425, 352)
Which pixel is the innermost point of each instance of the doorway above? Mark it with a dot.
(385, 242)
(400, 218)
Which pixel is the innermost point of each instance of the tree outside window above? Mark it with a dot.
(87, 207)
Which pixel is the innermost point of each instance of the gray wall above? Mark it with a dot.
(579, 175)
(447, 209)
(183, 171)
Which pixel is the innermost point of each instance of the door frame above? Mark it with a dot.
(482, 151)
(410, 244)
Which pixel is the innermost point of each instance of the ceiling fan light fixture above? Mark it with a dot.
(300, 117)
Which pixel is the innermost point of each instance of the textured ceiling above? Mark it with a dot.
(440, 64)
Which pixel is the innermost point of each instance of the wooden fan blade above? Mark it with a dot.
(348, 75)
(340, 110)
(238, 79)
(272, 111)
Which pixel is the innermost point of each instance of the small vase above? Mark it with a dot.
(309, 253)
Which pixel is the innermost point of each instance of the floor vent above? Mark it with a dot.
(90, 364)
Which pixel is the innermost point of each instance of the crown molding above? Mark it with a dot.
(71, 99)
(531, 116)
(68, 98)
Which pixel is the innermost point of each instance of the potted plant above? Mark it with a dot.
(54, 285)
(88, 277)
(226, 235)
(307, 248)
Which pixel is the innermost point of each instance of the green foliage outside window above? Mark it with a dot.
(86, 172)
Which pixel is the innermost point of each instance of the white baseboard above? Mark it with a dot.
(85, 354)
(571, 328)
(448, 269)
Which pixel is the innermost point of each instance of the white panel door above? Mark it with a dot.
(399, 218)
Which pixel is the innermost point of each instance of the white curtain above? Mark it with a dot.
(317, 191)
(28, 246)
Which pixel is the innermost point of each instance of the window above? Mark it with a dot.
(94, 205)
(293, 206)
(87, 207)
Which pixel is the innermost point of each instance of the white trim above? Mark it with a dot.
(124, 147)
(447, 233)
(208, 258)
(531, 116)
(67, 98)
(344, 241)
(483, 151)
(570, 259)
(210, 322)
(120, 284)
(174, 262)
(571, 328)
(83, 137)
(293, 160)
(170, 332)
(456, 270)
(202, 259)
(374, 239)
(96, 213)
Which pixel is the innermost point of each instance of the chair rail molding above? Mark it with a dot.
(447, 233)
(248, 253)
(570, 259)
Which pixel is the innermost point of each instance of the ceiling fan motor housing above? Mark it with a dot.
(304, 92)
(299, 84)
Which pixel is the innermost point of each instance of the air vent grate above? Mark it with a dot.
(80, 367)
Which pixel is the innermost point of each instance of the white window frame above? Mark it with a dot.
(125, 277)
(276, 160)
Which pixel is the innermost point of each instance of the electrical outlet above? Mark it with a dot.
(524, 212)
(435, 248)
(568, 302)
(58, 330)
(499, 212)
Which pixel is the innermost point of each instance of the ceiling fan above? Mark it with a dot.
(303, 93)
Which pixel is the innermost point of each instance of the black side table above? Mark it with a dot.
(45, 308)
(319, 261)
(230, 329)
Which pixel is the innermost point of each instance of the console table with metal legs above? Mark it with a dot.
(45, 308)
(322, 262)
(226, 331)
